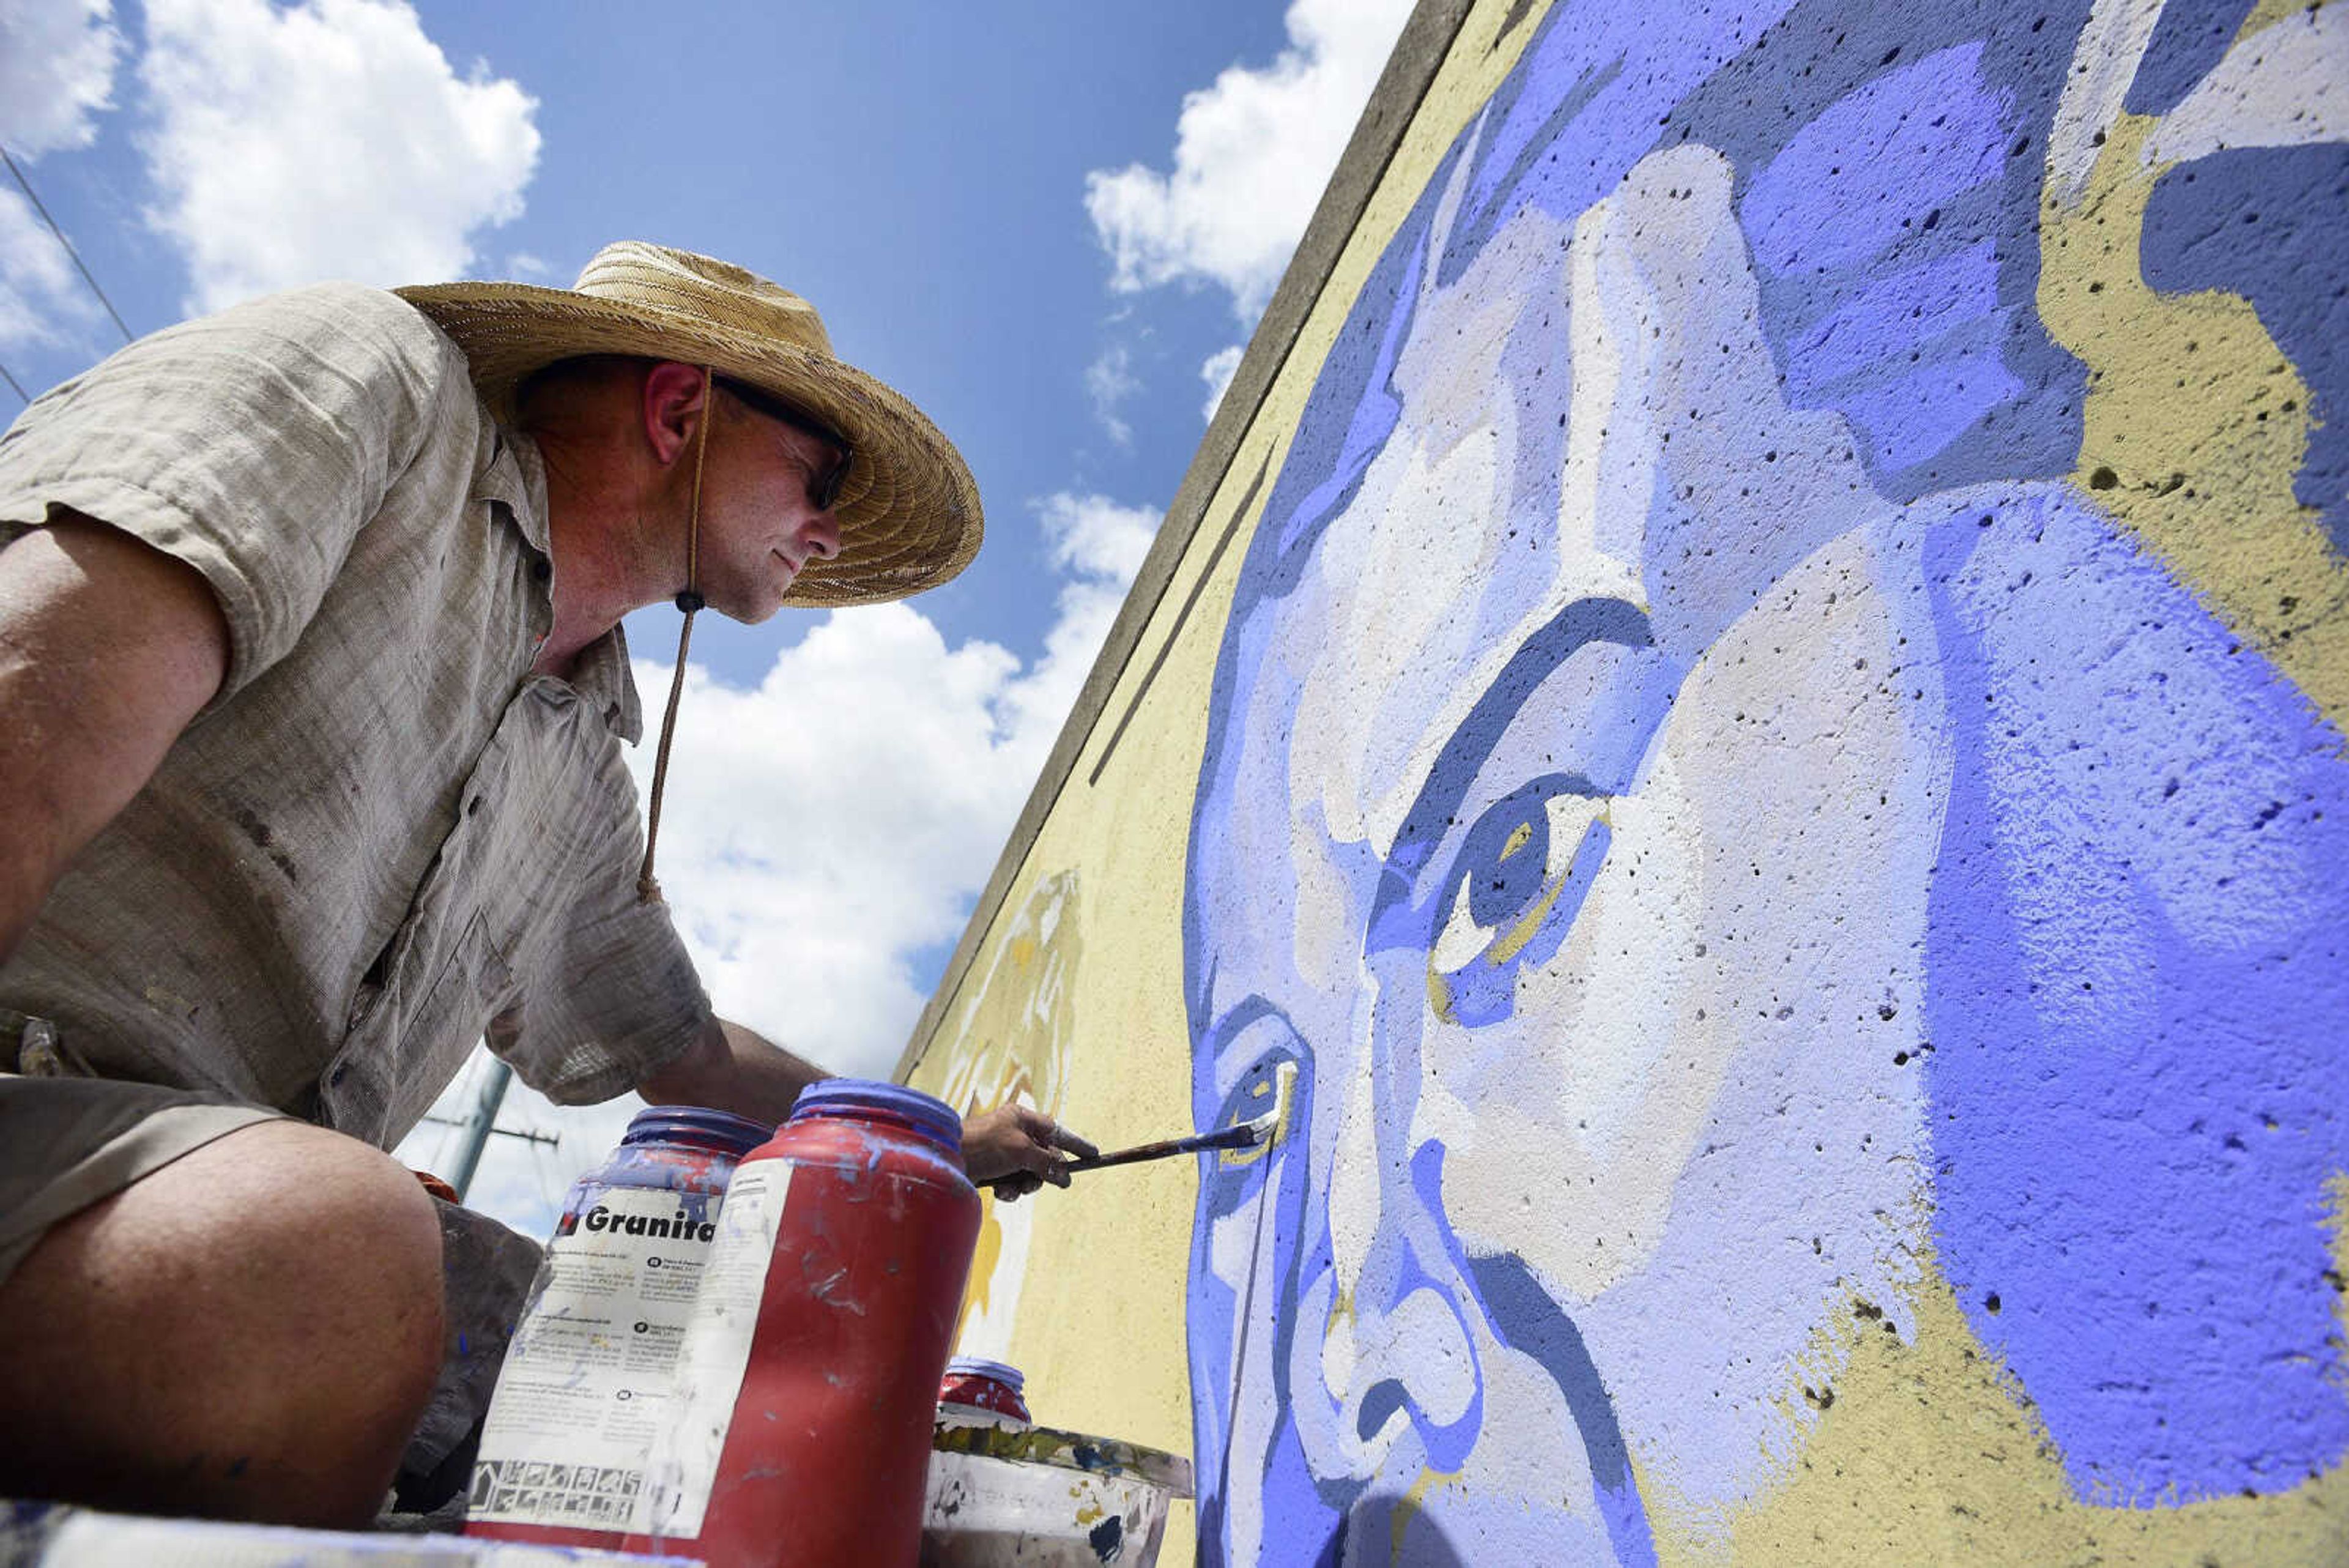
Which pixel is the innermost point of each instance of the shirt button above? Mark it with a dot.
(335, 1078)
(474, 806)
(542, 569)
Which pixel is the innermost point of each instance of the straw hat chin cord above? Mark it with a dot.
(688, 600)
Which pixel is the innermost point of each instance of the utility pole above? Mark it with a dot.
(478, 1126)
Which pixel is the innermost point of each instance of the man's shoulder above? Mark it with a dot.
(344, 324)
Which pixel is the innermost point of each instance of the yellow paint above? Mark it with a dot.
(1929, 1452)
(1256, 1108)
(1439, 995)
(1513, 942)
(987, 1255)
(1413, 1503)
(2268, 13)
(2195, 423)
(2336, 1213)
(1017, 1034)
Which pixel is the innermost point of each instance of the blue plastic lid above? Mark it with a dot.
(874, 1100)
(979, 1367)
(701, 1128)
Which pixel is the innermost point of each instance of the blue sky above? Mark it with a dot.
(1049, 224)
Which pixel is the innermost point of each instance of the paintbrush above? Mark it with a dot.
(1255, 1131)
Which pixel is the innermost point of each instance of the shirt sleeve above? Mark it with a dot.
(611, 997)
(252, 445)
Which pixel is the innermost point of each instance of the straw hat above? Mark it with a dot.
(908, 509)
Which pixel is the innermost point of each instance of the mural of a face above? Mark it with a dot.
(1720, 825)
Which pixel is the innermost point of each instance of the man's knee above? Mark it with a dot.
(252, 1330)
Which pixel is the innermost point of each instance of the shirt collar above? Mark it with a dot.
(515, 477)
(603, 679)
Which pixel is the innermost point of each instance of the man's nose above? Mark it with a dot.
(1397, 1351)
(821, 534)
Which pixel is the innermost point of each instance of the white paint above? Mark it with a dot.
(983, 1512)
(2286, 85)
(2104, 62)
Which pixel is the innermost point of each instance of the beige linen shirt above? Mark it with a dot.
(384, 836)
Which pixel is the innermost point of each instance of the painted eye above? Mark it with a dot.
(1512, 892)
(1267, 1044)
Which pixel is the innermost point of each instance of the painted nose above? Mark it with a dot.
(1397, 1357)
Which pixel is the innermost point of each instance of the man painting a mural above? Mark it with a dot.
(1761, 855)
(311, 691)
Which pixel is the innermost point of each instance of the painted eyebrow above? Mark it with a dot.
(1577, 626)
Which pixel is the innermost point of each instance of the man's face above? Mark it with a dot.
(759, 522)
(1529, 856)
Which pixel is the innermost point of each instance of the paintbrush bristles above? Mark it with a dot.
(1284, 1097)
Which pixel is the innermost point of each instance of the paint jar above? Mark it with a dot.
(987, 1385)
(808, 1384)
(588, 1375)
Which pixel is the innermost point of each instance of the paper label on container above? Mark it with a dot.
(587, 1379)
(716, 1351)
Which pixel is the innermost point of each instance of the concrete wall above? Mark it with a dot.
(1751, 685)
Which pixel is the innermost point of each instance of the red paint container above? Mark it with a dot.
(807, 1386)
(988, 1385)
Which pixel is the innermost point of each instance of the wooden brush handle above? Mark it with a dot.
(1239, 1136)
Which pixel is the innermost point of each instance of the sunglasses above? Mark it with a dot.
(823, 487)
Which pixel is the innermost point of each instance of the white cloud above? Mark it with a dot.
(56, 76)
(825, 828)
(1109, 381)
(1218, 373)
(1252, 153)
(330, 139)
(57, 72)
(39, 294)
(1096, 538)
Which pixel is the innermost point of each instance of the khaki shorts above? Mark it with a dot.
(67, 1143)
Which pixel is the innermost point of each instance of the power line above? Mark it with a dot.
(13, 386)
(25, 185)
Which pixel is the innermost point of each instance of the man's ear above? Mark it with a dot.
(672, 406)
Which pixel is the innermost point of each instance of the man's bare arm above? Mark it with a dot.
(734, 1068)
(107, 649)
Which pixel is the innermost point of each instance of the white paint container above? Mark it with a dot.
(1002, 1491)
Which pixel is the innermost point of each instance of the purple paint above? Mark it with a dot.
(2139, 988)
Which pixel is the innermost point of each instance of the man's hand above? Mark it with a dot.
(1016, 1150)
